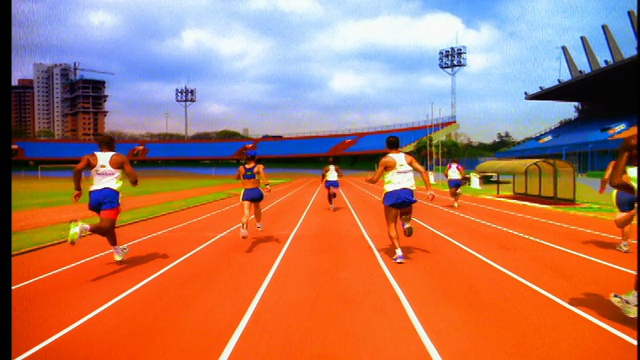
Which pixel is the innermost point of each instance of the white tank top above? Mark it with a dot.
(453, 172)
(332, 174)
(103, 175)
(401, 177)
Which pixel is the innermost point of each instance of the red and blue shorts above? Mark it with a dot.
(105, 202)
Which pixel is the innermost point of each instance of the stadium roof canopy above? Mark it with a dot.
(610, 84)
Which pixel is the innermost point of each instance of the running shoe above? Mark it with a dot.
(398, 259)
(259, 226)
(331, 207)
(624, 247)
(631, 297)
(244, 233)
(407, 229)
(627, 308)
(75, 230)
(455, 204)
(124, 250)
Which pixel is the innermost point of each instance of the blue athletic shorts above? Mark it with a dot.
(252, 194)
(103, 199)
(399, 199)
(331, 183)
(625, 202)
(454, 183)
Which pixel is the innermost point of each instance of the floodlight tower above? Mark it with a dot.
(186, 96)
(451, 60)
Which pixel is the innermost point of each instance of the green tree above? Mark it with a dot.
(230, 134)
(44, 134)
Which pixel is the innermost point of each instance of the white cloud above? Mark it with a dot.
(300, 7)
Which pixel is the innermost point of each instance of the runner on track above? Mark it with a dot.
(627, 163)
(330, 175)
(625, 203)
(454, 173)
(399, 187)
(251, 174)
(106, 168)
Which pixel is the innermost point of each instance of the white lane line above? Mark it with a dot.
(254, 303)
(426, 341)
(540, 219)
(135, 287)
(520, 235)
(138, 240)
(527, 283)
(536, 288)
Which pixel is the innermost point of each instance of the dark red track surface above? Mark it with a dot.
(489, 280)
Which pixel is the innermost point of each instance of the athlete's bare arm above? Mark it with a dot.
(129, 171)
(386, 164)
(415, 165)
(263, 176)
(239, 173)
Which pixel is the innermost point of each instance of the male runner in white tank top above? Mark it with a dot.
(399, 186)
(106, 168)
(454, 173)
(330, 175)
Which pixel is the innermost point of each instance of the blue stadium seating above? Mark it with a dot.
(64, 150)
(194, 150)
(303, 146)
(578, 135)
(376, 142)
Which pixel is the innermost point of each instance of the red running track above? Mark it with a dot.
(489, 280)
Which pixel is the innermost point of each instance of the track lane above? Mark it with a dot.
(329, 298)
(425, 251)
(85, 286)
(459, 327)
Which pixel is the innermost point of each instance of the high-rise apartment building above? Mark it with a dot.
(22, 109)
(58, 102)
(84, 108)
(48, 82)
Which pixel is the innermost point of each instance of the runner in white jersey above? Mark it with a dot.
(107, 167)
(399, 186)
(454, 173)
(330, 179)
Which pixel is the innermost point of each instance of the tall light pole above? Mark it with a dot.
(451, 60)
(186, 96)
(166, 122)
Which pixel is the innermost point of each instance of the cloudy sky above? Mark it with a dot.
(300, 66)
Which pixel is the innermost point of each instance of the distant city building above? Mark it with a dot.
(22, 108)
(48, 82)
(84, 109)
(56, 102)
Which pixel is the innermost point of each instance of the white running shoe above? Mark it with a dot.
(124, 250)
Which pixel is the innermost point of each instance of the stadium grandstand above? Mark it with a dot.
(349, 143)
(607, 97)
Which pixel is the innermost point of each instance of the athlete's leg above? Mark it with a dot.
(106, 228)
(391, 217)
(246, 213)
(257, 212)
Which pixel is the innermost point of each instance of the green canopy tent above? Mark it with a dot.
(540, 178)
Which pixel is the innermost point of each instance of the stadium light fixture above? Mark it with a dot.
(186, 96)
(451, 60)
